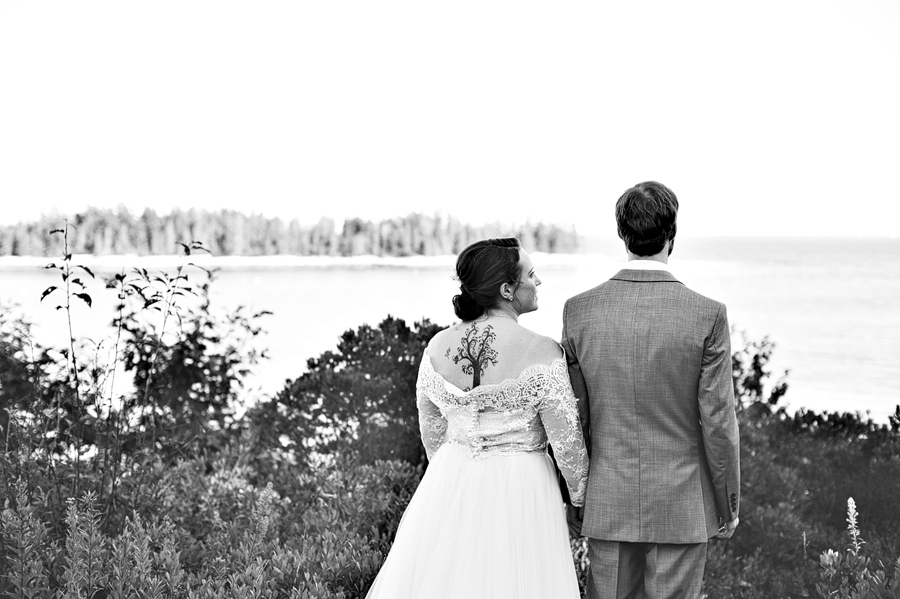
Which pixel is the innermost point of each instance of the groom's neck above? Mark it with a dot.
(662, 256)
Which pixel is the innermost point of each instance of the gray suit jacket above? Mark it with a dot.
(650, 362)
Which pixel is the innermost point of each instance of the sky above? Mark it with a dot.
(772, 117)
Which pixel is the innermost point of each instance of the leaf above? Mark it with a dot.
(56, 231)
(67, 257)
(51, 265)
(87, 270)
(48, 291)
(187, 250)
(59, 307)
(206, 270)
(85, 297)
(77, 281)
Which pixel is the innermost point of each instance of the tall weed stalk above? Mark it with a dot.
(853, 575)
(68, 275)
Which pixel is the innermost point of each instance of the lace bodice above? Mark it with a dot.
(516, 416)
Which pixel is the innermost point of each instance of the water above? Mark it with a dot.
(832, 306)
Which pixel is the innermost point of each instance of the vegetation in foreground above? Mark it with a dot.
(164, 492)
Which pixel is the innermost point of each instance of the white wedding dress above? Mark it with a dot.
(487, 520)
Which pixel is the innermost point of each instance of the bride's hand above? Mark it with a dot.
(575, 519)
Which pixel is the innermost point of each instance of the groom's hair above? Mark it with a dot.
(645, 216)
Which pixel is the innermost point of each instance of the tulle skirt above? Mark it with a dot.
(492, 528)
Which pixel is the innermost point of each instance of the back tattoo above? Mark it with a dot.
(475, 353)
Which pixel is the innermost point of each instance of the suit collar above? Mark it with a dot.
(641, 264)
(645, 276)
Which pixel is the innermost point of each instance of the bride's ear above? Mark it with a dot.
(506, 291)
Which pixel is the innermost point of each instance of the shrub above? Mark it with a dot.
(24, 544)
(65, 431)
(325, 538)
(359, 399)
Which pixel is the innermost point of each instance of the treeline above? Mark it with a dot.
(231, 233)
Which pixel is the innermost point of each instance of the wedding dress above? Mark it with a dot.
(487, 520)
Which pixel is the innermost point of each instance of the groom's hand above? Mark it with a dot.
(728, 529)
(575, 518)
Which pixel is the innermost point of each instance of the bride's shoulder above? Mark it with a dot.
(449, 334)
(543, 349)
(443, 339)
(439, 339)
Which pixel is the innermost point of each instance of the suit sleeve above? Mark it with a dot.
(576, 376)
(721, 438)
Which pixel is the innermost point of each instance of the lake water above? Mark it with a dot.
(832, 306)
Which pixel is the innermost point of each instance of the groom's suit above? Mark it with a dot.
(650, 361)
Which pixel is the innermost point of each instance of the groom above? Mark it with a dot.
(650, 362)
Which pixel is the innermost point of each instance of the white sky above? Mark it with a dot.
(772, 117)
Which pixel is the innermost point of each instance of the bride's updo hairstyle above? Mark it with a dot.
(481, 269)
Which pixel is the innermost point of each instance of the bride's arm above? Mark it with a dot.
(579, 385)
(432, 424)
(559, 413)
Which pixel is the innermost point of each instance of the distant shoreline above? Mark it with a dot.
(117, 262)
(603, 252)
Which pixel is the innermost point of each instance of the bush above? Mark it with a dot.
(359, 399)
(216, 535)
(64, 429)
(796, 471)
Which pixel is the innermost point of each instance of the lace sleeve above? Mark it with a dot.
(432, 424)
(559, 413)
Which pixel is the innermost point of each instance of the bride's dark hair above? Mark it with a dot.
(481, 269)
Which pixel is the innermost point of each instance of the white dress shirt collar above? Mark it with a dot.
(646, 265)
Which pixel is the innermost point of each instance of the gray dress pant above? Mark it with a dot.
(622, 570)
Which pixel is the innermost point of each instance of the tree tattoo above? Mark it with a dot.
(476, 352)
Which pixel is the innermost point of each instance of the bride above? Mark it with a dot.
(487, 520)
